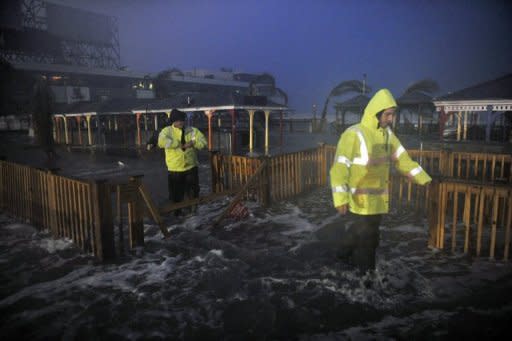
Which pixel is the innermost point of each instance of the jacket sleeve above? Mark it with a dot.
(165, 139)
(405, 165)
(199, 139)
(340, 169)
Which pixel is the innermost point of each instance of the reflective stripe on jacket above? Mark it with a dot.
(360, 172)
(176, 159)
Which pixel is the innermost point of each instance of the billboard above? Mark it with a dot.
(75, 24)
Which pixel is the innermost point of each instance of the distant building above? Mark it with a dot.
(77, 51)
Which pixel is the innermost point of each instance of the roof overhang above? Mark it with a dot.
(215, 108)
(474, 105)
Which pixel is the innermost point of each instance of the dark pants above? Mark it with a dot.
(361, 240)
(183, 183)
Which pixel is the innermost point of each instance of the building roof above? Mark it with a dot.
(495, 94)
(500, 88)
(122, 105)
(76, 69)
(205, 101)
(357, 102)
(199, 102)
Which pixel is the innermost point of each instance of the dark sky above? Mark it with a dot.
(312, 45)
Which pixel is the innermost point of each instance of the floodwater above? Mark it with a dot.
(268, 277)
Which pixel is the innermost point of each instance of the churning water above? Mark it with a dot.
(268, 277)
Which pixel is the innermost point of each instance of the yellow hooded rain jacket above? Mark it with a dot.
(360, 172)
(176, 159)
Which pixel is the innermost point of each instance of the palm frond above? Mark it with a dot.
(427, 86)
(349, 86)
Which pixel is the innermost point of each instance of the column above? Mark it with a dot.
(459, 125)
(465, 125)
(78, 123)
(209, 115)
(233, 131)
(251, 130)
(139, 137)
(66, 134)
(267, 115)
(56, 132)
(89, 130)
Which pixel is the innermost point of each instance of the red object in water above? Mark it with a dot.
(239, 211)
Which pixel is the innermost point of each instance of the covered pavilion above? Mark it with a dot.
(214, 107)
(420, 108)
(487, 104)
(142, 117)
(354, 105)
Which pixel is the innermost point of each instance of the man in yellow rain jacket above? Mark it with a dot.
(181, 145)
(360, 176)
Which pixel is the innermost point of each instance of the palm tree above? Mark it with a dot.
(341, 89)
(427, 86)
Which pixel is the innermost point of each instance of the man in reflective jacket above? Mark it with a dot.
(360, 176)
(181, 145)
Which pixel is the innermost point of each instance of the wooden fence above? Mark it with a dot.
(87, 211)
(82, 211)
(487, 177)
(475, 218)
(286, 175)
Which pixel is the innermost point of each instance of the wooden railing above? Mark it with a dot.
(84, 210)
(477, 216)
(76, 209)
(287, 175)
(486, 167)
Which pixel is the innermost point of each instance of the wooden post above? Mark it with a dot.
(434, 213)
(214, 167)
(52, 203)
(480, 225)
(467, 219)
(2, 183)
(508, 227)
(153, 210)
(494, 220)
(119, 214)
(136, 216)
(103, 227)
(454, 217)
(265, 176)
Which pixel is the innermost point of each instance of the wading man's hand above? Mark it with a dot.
(342, 209)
